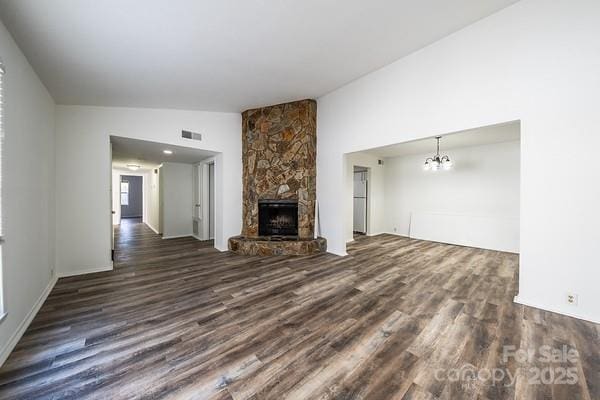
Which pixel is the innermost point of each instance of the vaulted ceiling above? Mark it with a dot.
(225, 55)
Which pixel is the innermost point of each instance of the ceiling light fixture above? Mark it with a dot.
(434, 163)
(168, 151)
(133, 167)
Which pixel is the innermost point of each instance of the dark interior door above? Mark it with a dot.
(131, 196)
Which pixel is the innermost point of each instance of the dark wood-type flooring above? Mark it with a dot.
(177, 319)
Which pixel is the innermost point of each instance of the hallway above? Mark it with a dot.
(138, 245)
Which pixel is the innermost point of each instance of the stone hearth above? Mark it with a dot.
(279, 163)
(273, 247)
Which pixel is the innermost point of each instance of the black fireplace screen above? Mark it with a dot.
(278, 217)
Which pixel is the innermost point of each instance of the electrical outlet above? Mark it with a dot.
(395, 229)
(572, 299)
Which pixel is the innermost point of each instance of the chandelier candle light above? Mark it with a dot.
(434, 163)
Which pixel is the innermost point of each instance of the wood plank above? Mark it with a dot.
(177, 319)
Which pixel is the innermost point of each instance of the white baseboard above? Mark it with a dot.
(527, 303)
(178, 236)
(199, 238)
(14, 339)
(151, 227)
(396, 234)
(337, 253)
(84, 271)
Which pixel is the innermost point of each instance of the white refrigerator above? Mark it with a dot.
(360, 202)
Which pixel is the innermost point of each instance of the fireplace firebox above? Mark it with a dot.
(278, 217)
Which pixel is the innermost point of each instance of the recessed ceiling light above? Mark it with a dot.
(133, 167)
(168, 151)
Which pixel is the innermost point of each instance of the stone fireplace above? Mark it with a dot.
(279, 180)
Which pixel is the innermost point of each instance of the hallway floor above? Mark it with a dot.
(136, 243)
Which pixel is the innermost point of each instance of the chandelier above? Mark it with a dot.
(434, 163)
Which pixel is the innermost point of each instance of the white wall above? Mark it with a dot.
(178, 199)
(28, 195)
(83, 140)
(535, 61)
(375, 193)
(474, 204)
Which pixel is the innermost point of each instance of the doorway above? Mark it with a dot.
(131, 197)
(211, 200)
(473, 200)
(360, 199)
(158, 192)
(204, 218)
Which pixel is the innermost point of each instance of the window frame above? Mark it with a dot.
(3, 311)
(124, 192)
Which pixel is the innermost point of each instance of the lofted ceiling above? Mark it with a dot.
(149, 155)
(507, 132)
(221, 55)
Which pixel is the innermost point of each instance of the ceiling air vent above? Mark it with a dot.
(191, 135)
